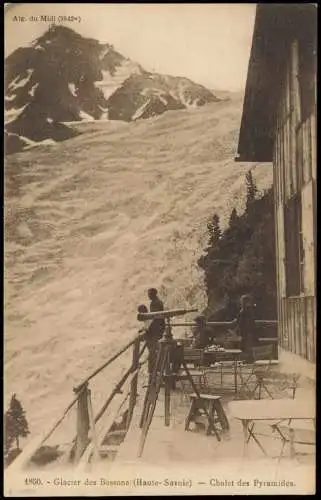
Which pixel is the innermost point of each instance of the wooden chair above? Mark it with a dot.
(262, 364)
(294, 434)
(194, 357)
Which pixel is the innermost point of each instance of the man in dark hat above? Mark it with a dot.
(246, 326)
(157, 327)
(154, 328)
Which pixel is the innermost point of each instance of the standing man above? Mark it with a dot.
(158, 325)
(246, 325)
(155, 330)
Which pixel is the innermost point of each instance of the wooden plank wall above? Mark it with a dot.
(297, 326)
(294, 168)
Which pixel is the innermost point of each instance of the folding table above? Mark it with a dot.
(272, 411)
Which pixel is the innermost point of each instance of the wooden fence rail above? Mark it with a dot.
(83, 414)
(258, 322)
(107, 363)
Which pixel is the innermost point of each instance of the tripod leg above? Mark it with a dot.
(210, 418)
(151, 383)
(152, 388)
(168, 386)
(167, 402)
(152, 398)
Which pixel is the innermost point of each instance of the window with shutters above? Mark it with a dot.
(294, 251)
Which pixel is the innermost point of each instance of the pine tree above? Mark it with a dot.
(251, 189)
(16, 425)
(8, 436)
(242, 259)
(214, 230)
(233, 218)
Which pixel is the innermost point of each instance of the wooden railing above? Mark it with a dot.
(86, 422)
(86, 428)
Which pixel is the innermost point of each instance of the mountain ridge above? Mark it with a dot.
(64, 77)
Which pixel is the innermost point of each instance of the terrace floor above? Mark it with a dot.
(179, 462)
(172, 451)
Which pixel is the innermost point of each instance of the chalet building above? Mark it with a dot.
(279, 125)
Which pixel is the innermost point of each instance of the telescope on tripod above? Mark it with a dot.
(171, 313)
(166, 315)
(162, 372)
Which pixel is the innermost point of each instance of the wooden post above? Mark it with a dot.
(94, 439)
(82, 422)
(133, 384)
(168, 338)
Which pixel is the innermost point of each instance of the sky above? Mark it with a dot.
(209, 43)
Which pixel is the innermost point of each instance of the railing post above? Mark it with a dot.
(134, 381)
(94, 439)
(82, 422)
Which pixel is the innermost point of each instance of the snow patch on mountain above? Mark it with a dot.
(85, 116)
(111, 82)
(13, 113)
(141, 110)
(20, 82)
(33, 89)
(9, 98)
(72, 88)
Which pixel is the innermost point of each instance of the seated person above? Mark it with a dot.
(202, 335)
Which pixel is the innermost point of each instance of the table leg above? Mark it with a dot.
(245, 424)
(292, 448)
(211, 422)
(253, 436)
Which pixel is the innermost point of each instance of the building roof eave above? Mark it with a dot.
(275, 27)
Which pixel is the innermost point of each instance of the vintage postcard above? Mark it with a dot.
(160, 249)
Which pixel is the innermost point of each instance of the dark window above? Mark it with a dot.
(294, 254)
(307, 74)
